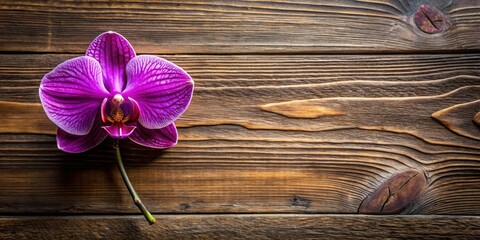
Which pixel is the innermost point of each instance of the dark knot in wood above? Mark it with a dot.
(299, 201)
(430, 20)
(395, 194)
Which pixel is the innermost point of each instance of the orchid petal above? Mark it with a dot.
(162, 89)
(102, 110)
(71, 94)
(119, 130)
(135, 111)
(113, 52)
(76, 144)
(155, 138)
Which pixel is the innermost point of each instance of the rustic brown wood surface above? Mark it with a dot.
(299, 107)
(248, 226)
(237, 26)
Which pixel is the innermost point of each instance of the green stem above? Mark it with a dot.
(134, 194)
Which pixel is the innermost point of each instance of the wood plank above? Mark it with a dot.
(265, 226)
(313, 75)
(237, 153)
(237, 26)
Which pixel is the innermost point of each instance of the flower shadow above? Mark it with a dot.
(134, 153)
(87, 177)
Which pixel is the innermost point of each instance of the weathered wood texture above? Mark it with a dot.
(299, 107)
(260, 137)
(237, 26)
(265, 226)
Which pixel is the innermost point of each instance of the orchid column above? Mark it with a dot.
(112, 92)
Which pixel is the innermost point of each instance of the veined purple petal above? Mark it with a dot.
(113, 52)
(119, 130)
(71, 94)
(162, 89)
(76, 144)
(155, 138)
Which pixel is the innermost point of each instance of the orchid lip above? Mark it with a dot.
(119, 130)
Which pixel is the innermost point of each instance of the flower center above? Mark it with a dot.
(119, 110)
(122, 114)
(116, 113)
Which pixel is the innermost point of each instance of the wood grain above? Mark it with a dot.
(318, 107)
(300, 109)
(296, 77)
(265, 226)
(236, 26)
(235, 157)
(460, 119)
(25, 118)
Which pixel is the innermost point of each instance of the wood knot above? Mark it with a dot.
(430, 20)
(299, 201)
(184, 207)
(395, 194)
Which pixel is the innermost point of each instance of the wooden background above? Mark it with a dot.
(305, 113)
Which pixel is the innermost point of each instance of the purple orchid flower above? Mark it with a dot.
(111, 91)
